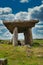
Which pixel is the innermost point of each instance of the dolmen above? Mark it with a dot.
(18, 26)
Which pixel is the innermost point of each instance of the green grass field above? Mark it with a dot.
(38, 41)
(22, 55)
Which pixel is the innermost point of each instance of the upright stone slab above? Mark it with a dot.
(3, 61)
(15, 37)
(28, 36)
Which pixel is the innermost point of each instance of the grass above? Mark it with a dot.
(22, 55)
(39, 41)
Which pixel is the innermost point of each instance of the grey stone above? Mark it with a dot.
(3, 61)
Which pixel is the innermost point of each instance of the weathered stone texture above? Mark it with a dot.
(15, 37)
(28, 36)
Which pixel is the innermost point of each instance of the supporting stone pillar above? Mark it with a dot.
(15, 36)
(28, 36)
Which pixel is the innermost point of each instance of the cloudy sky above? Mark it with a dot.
(23, 10)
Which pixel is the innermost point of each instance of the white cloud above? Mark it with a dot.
(37, 36)
(7, 10)
(7, 34)
(21, 16)
(42, 1)
(2, 27)
(4, 38)
(33, 13)
(1, 38)
(9, 17)
(1, 22)
(41, 31)
(24, 1)
(35, 8)
(6, 14)
(39, 26)
(40, 22)
(0, 31)
(20, 36)
(36, 12)
(1, 10)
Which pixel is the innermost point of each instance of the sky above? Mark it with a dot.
(19, 5)
(23, 10)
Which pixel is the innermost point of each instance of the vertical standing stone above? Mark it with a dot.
(3, 61)
(15, 37)
(28, 36)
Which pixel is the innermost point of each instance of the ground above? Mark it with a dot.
(22, 55)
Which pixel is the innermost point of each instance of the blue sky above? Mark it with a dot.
(20, 5)
(23, 10)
